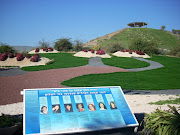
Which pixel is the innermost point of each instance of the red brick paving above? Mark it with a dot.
(11, 86)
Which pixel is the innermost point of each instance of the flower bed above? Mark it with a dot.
(3, 56)
(37, 50)
(11, 55)
(19, 57)
(27, 55)
(35, 58)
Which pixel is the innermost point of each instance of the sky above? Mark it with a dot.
(26, 22)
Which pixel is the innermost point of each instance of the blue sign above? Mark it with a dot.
(67, 110)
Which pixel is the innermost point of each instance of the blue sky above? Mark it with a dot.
(26, 22)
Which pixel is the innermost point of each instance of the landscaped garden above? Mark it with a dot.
(61, 60)
(157, 79)
(124, 62)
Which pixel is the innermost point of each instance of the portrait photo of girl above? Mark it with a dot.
(102, 106)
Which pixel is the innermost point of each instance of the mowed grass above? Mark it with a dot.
(167, 77)
(62, 60)
(123, 62)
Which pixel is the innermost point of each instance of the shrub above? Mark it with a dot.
(3, 56)
(37, 50)
(162, 122)
(11, 55)
(19, 57)
(149, 47)
(27, 55)
(35, 58)
(96, 47)
(115, 47)
(8, 121)
(176, 50)
(84, 50)
(63, 44)
(92, 51)
(36, 55)
(100, 52)
(4, 48)
(44, 49)
(50, 49)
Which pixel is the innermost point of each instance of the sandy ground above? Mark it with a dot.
(41, 51)
(89, 54)
(137, 103)
(126, 54)
(25, 62)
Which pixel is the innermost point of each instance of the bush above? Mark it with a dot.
(6, 48)
(84, 50)
(37, 50)
(36, 55)
(101, 52)
(176, 50)
(149, 47)
(27, 55)
(19, 57)
(8, 121)
(35, 58)
(50, 49)
(115, 47)
(96, 47)
(3, 56)
(11, 55)
(162, 122)
(63, 44)
(45, 49)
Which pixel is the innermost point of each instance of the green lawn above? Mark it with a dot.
(167, 77)
(123, 62)
(62, 60)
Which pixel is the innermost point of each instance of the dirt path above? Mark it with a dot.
(11, 86)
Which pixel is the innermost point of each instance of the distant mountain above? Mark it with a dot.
(21, 49)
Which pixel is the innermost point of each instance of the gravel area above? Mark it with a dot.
(137, 103)
(89, 54)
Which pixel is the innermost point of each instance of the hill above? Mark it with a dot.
(124, 37)
(21, 49)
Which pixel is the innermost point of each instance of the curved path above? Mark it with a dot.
(153, 65)
(11, 72)
(11, 86)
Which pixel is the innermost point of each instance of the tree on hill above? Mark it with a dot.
(63, 44)
(4, 48)
(163, 28)
(43, 44)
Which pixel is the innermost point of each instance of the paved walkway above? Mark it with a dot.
(13, 81)
(96, 62)
(11, 72)
(10, 86)
(153, 65)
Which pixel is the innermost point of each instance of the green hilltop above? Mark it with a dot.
(164, 39)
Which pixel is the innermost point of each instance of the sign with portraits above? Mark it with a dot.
(69, 110)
